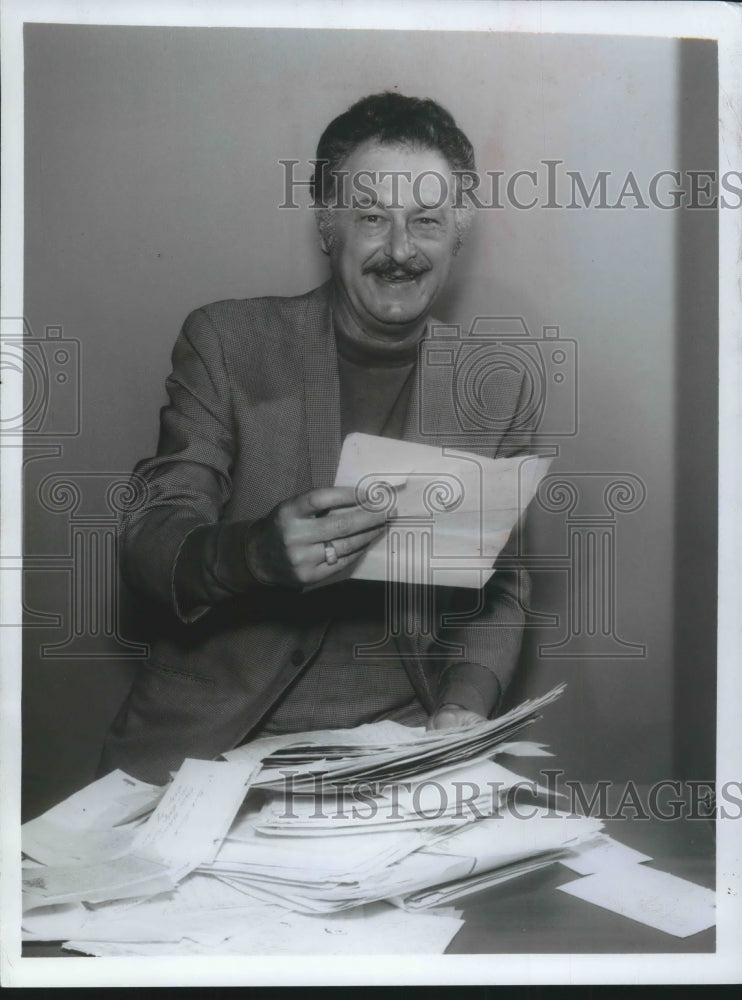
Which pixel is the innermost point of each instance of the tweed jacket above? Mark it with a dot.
(254, 418)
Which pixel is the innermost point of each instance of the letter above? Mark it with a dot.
(601, 789)
(631, 799)
(731, 798)
(696, 188)
(288, 795)
(696, 798)
(494, 176)
(368, 197)
(551, 179)
(416, 800)
(339, 179)
(677, 194)
(511, 187)
(395, 787)
(653, 803)
(725, 183)
(461, 801)
(339, 803)
(442, 184)
(600, 180)
(318, 796)
(631, 189)
(461, 190)
(529, 786)
(551, 787)
(497, 787)
(364, 799)
(395, 175)
(290, 183)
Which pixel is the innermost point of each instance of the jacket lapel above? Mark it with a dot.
(321, 388)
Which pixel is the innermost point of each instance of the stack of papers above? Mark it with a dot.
(451, 797)
(377, 826)
(313, 763)
(372, 815)
(339, 872)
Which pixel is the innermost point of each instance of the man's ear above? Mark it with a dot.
(324, 225)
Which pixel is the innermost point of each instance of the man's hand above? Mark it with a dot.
(287, 547)
(452, 716)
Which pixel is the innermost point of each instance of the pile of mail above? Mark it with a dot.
(337, 839)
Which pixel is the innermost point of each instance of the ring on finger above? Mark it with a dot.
(331, 556)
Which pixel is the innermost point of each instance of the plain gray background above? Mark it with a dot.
(152, 185)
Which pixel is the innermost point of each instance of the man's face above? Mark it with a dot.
(391, 247)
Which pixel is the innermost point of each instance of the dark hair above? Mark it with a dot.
(388, 118)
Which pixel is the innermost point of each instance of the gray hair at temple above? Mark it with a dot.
(391, 119)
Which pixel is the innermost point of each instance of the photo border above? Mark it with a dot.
(632, 18)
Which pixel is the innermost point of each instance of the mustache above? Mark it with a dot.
(389, 269)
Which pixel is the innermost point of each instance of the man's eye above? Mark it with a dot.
(426, 223)
(372, 218)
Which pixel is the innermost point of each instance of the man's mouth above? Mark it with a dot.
(398, 277)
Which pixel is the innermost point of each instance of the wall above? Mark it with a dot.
(152, 181)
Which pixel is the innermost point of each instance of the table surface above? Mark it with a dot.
(529, 915)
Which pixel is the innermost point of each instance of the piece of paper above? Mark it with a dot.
(451, 519)
(372, 735)
(380, 929)
(94, 823)
(601, 854)
(439, 895)
(198, 904)
(195, 813)
(186, 828)
(652, 897)
(333, 857)
(111, 879)
(524, 748)
(491, 843)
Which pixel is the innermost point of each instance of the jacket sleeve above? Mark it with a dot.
(183, 489)
(492, 634)
(491, 638)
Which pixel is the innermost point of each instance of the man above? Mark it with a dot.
(240, 516)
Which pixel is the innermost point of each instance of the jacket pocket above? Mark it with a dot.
(167, 672)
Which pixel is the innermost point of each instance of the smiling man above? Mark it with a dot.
(238, 518)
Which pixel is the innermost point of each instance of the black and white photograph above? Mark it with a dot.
(370, 471)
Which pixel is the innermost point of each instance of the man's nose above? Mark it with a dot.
(399, 246)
